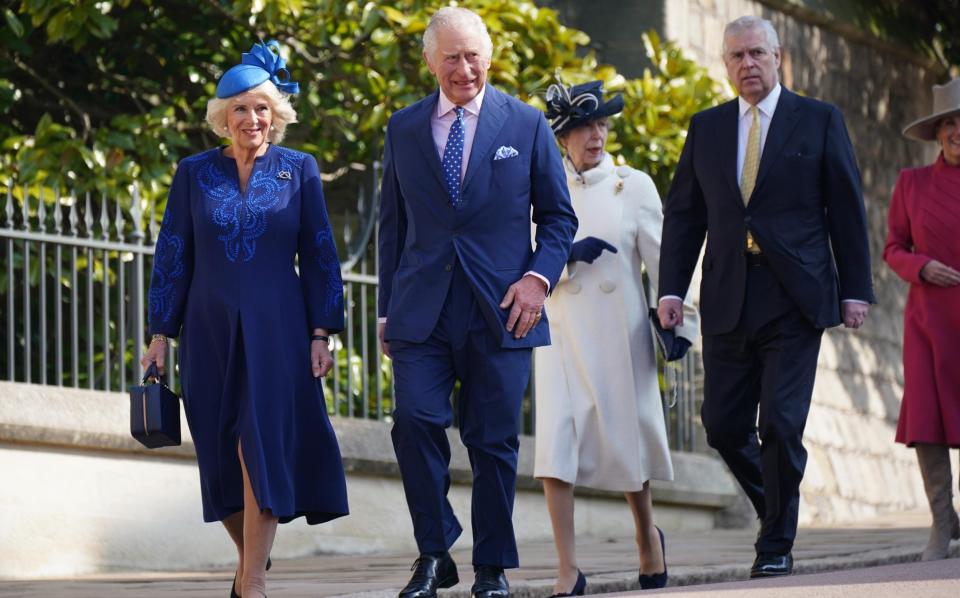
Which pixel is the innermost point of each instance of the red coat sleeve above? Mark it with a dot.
(899, 250)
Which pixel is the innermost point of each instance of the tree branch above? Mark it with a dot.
(69, 103)
(219, 8)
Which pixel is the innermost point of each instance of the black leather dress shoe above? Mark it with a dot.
(429, 574)
(771, 565)
(490, 582)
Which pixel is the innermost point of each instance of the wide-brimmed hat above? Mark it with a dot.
(261, 63)
(946, 102)
(570, 107)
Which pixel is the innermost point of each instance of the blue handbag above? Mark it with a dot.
(672, 346)
(154, 412)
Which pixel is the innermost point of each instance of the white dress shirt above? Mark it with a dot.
(767, 106)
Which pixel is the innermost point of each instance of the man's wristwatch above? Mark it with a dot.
(320, 337)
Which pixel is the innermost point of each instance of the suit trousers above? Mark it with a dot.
(492, 383)
(767, 363)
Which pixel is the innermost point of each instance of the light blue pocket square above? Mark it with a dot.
(505, 151)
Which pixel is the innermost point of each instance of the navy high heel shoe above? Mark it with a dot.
(233, 586)
(578, 588)
(656, 580)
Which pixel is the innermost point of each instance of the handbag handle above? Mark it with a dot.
(151, 373)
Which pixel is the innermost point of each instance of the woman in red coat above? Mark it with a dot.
(923, 248)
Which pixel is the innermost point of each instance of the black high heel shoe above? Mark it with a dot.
(233, 586)
(656, 580)
(578, 588)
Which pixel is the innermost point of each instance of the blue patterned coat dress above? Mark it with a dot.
(224, 281)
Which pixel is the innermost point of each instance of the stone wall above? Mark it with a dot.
(80, 496)
(855, 469)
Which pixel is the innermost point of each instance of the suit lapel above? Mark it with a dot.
(492, 116)
(423, 131)
(729, 124)
(785, 118)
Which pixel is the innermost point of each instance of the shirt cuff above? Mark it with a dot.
(541, 277)
(381, 320)
(860, 301)
(680, 299)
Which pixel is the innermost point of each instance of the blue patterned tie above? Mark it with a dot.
(453, 158)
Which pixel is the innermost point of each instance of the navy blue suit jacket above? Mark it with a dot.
(806, 214)
(422, 235)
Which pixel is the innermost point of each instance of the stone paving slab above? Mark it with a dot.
(609, 563)
(936, 579)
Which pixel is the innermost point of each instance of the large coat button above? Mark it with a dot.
(573, 287)
(608, 286)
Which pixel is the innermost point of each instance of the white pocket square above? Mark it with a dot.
(505, 151)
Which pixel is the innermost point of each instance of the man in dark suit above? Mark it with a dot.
(771, 180)
(462, 291)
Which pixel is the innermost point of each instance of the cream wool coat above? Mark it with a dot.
(599, 416)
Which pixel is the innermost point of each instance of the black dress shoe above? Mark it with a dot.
(771, 565)
(656, 580)
(490, 582)
(430, 573)
(578, 588)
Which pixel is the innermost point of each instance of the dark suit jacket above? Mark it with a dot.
(422, 235)
(806, 213)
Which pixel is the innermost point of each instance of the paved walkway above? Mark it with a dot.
(937, 579)
(609, 563)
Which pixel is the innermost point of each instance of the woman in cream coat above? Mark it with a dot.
(599, 416)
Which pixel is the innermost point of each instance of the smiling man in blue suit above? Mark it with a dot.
(462, 291)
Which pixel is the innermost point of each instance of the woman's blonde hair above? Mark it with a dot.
(283, 112)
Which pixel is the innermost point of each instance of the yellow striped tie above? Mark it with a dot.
(748, 178)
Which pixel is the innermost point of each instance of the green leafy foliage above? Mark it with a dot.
(657, 109)
(101, 94)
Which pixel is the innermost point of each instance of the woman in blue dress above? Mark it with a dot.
(240, 222)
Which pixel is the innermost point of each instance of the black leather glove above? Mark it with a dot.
(589, 249)
(679, 349)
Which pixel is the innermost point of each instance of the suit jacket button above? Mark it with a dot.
(607, 286)
(448, 267)
(746, 220)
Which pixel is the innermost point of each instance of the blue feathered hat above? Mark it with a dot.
(570, 107)
(261, 63)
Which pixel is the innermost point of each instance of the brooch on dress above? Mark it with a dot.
(284, 175)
